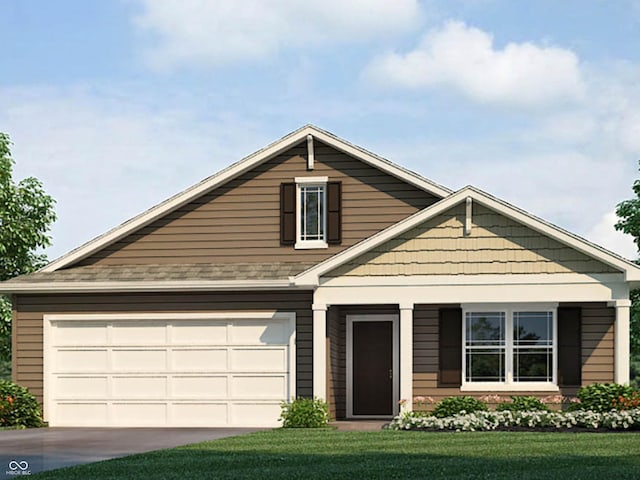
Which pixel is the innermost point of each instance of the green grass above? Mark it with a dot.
(305, 454)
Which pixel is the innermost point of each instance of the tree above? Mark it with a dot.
(628, 213)
(26, 214)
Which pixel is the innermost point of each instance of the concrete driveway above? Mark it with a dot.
(35, 450)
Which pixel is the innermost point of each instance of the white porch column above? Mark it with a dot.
(621, 374)
(406, 355)
(320, 351)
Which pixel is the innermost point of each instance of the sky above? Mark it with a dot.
(116, 105)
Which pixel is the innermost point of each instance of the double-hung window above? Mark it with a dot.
(509, 347)
(311, 212)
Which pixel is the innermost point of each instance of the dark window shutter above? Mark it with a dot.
(287, 213)
(569, 351)
(334, 213)
(450, 346)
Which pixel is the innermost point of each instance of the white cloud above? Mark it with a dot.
(106, 156)
(212, 32)
(464, 58)
(605, 235)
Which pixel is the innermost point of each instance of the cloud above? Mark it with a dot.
(604, 234)
(201, 33)
(465, 59)
(106, 155)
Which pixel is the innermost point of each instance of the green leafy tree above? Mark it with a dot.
(628, 213)
(26, 214)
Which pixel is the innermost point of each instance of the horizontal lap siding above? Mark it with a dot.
(28, 322)
(597, 327)
(336, 362)
(240, 221)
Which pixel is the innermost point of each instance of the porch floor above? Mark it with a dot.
(359, 425)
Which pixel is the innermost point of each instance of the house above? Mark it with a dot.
(316, 268)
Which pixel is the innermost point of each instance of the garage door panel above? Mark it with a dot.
(139, 387)
(139, 333)
(200, 387)
(80, 333)
(256, 332)
(259, 386)
(198, 360)
(198, 414)
(70, 388)
(259, 359)
(81, 414)
(254, 414)
(139, 414)
(138, 360)
(199, 333)
(79, 361)
(145, 370)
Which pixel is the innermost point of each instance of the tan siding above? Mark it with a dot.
(496, 245)
(241, 220)
(30, 310)
(597, 328)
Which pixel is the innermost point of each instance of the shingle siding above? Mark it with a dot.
(496, 245)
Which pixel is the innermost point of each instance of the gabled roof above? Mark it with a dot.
(234, 171)
(631, 270)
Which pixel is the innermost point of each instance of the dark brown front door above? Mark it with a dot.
(373, 368)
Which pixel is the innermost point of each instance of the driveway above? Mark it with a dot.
(35, 450)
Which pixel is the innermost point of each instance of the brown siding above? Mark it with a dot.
(597, 328)
(241, 220)
(336, 359)
(28, 322)
(496, 245)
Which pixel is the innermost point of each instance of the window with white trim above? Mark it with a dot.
(311, 216)
(513, 345)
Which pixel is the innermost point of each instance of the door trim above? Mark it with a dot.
(394, 319)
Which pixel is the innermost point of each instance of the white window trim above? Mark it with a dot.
(509, 384)
(310, 244)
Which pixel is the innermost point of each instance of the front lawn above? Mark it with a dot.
(304, 454)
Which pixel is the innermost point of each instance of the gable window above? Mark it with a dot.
(311, 213)
(513, 346)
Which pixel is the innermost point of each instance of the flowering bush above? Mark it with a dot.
(491, 420)
(522, 404)
(18, 408)
(456, 405)
(602, 397)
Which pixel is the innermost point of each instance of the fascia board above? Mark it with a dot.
(631, 271)
(86, 287)
(230, 173)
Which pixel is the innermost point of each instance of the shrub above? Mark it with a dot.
(305, 413)
(522, 404)
(627, 402)
(601, 397)
(18, 408)
(450, 406)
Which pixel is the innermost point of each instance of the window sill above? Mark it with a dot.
(310, 245)
(510, 387)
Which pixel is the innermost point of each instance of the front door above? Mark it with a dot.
(372, 367)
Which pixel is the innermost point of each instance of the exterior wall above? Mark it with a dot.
(28, 322)
(240, 220)
(496, 245)
(597, 330)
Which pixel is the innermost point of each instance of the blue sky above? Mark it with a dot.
(116, 105)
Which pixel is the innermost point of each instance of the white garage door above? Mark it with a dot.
(168, 370)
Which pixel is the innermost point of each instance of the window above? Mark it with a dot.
(311, 213)
(509, 346)
(311, 217)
